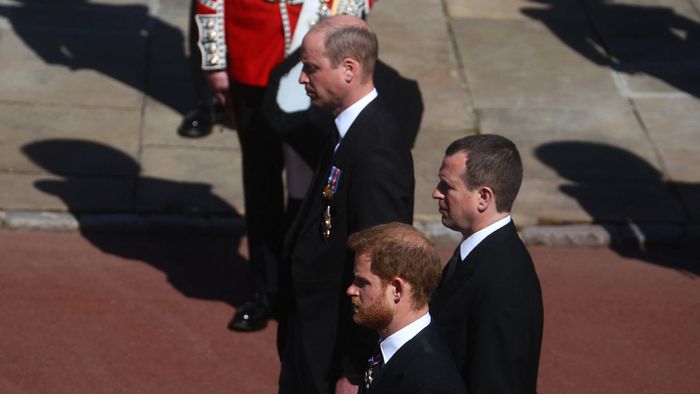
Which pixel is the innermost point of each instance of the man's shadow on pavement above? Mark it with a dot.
(199, 264)
(630, 39)
(628, 195)
(122, 42)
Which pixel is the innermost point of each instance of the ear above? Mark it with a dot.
(398, 289)
(486, 199)
(351, 69)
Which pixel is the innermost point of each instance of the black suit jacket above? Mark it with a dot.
(422, 365)
(489, 313)
(376, 187)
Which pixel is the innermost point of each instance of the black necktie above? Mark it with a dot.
(451, 265)
(335, 138)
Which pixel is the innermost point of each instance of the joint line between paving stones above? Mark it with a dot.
(72, 174)
(153, 7)
(460, 66)
(193, 148)
(695, 7)
(666, 176)
(567, 235)
(655, 149)
(35, 104)
(624, 90)
(142, 119)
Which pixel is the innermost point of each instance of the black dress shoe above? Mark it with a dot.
(251, 316)
(197, 123)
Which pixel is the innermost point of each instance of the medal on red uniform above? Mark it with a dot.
(329, 191)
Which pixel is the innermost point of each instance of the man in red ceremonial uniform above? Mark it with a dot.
(240, 42)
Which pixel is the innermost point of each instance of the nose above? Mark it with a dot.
(303, 78)
(351, 291)
(437, 195)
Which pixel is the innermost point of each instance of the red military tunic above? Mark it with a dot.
(247, 37)
(256, 40)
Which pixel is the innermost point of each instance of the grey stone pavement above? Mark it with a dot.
(602, 98)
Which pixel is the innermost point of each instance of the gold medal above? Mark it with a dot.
(327, 192)
(326, 223)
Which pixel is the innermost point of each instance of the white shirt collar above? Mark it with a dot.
(475, 239)
(391, 344)
(344, 120)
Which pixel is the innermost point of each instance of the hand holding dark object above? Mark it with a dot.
(200, 121)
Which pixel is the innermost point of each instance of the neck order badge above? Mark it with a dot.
(373, 365)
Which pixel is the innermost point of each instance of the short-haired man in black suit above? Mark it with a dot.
(396, 270)
(488, 306)
(365, 178)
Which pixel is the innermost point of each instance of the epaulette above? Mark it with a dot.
(358, 8)
(209, 17)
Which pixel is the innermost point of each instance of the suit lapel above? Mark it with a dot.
(393, 373)
(301, 219)
(314, 197)
(466, 268)
(341, 159)
(461, 276)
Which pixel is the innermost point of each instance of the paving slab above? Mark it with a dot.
(674, 128)
(97, 15)
(512, 9)
(80, 157)
(427, 55)
(651, 43)
(56, 58)
(658, 80)
(520, 64)
(540, 201)
(67, 139)
(589, 235)
(19, 192)
(414, 39)
(643, 19)
(43, 192)
(160, 124)
(190, 181)
(578, 144)
(169, 76)
(543, 201)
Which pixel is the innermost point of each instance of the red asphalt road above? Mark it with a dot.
(147, 314)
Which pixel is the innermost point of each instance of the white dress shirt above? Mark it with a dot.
(391, 344)
(475, 239)
(345, 119)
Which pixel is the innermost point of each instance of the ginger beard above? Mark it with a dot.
(376, 315)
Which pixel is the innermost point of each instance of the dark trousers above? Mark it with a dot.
(263, 188)
(204, 96)
(295, 373)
